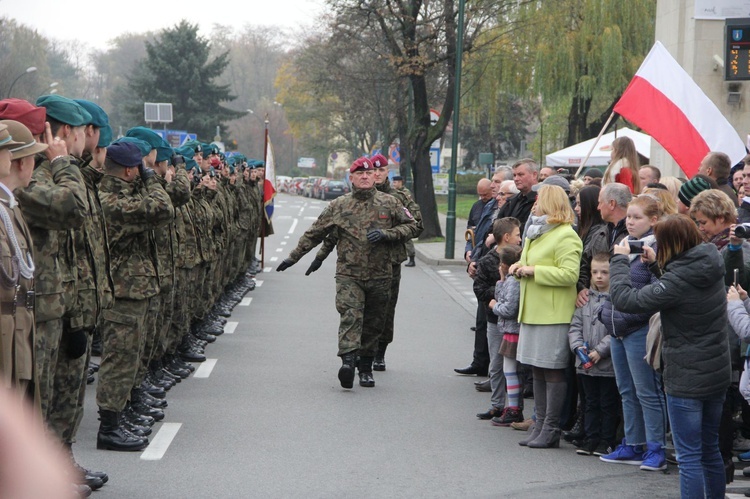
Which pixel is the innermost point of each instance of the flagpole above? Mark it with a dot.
(606, 125)
(263, 205)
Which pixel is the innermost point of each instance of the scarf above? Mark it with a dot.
(721, 239)
(539, 227)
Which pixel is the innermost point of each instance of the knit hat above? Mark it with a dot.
(691, 188)
(554, 180)
(594, 173)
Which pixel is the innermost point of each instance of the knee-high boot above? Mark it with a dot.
(550, 434)
(540, 409)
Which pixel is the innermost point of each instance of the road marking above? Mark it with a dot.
(283, 243)
(286, 237)
(274, 258)
(283, 217)
(160, 443)
(443, 271)
(204, 370)
(267, 269)
(258, 284)
(246, 301)
(279, 250)
(468, 293)
(311, 218)
(230, 326)
(294, 226)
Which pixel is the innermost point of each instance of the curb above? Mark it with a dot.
(423, 257)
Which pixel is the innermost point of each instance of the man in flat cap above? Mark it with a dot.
(131, 210)
(363, 223)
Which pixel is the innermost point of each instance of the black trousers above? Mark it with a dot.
(481, 349)
(601, 407)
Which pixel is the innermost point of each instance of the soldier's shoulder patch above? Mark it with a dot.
(408, 213)
(658, 288)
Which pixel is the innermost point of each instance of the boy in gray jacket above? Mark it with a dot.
(589, 336)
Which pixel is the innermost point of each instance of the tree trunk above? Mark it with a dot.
(424, 191)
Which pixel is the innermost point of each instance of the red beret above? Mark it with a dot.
(24, 112)
(379, 161)
(215, 162)
(360, 164)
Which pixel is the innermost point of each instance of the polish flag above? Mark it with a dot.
(666, 103)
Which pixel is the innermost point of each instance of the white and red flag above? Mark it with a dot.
(667, 104)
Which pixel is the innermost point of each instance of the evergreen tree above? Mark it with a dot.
(177, 70)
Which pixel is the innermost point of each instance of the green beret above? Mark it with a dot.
(105, 136)
(231, 169)
(98, 117)
(194, 145)
(188, 153)
(163, 149)
(255, 163)
(144, 146)
(64, 110)
(210, 149)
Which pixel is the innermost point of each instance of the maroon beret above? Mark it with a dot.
(379, 161)
(24, 112)
(360, 164)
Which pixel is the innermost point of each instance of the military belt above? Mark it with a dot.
(24, 300)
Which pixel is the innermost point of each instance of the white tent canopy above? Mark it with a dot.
(573, 156)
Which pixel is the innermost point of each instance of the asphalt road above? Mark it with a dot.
(270, 419)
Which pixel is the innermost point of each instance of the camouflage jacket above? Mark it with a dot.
(348, 219)
(132, 211)
(204, 221)
(92, 247)
(244, 208)
(53, 204)
(398, 248)
(256, 206)
(165, 236)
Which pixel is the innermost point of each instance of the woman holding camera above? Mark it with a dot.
(548, 272)
(643, 405)
(695, 355)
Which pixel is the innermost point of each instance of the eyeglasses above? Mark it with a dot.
(506, 194)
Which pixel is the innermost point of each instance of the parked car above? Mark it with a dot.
(282, 183)
(308, 189)
(318, 188)
(296, 187)
(334, 189)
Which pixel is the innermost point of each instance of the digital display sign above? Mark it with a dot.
(737, 49)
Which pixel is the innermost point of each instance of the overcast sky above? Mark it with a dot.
(94, 22)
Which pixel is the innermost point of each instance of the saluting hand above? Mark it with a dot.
(56, 147)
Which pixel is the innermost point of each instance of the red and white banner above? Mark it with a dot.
(667, 104)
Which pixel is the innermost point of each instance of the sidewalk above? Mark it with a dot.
(434, 253)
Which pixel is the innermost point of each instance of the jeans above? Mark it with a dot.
(497, 377)
(644, 409)
(695, 431)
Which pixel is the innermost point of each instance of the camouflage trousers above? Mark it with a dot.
(122, 328)
(362, 306)
(150, 337)
(217, 279)
(68, 392)
(196, 294)
(164, 322)
(46, 348)
(390, 314)
(410, 248)
(183, 285)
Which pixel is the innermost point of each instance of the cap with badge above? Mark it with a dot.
(25, 112)
(124, 153)
(26, 145)
(6, 140)
(361, 164)
(64, 110)
(379, 161)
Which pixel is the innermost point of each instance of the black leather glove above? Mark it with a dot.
(375, 235)
(315, 265)
(76, 343)
(146, 172)
(284, 265)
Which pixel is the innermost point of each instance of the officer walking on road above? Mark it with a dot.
(363, 223)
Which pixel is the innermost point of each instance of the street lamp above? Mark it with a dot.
(30, 69)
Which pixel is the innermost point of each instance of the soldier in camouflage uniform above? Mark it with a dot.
(363, 223)
(255, 207)
(131, 210)
(398, 185)
(55, 203)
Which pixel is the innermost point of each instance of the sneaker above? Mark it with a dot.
(653, 458)
(625, 454)
(586, 447)
(741, 444)
(744, 457)
(509, 415)
(603, 449)
(671, 456)
(523, 426)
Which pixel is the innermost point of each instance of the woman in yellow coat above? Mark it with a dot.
(548, 270)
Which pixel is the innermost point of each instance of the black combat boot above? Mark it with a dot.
(112, 437)
(346, 372)
(379, 363)
(94, 479)
(365, 372)
(410, 263)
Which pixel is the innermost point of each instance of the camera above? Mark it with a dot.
(742, 230)
(176, 160)
(636, 247)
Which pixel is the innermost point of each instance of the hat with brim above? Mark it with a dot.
(6, 139)
(27, 145)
